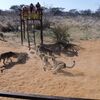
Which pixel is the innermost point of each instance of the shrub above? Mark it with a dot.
(61, 34)
(7, 28)
(46, 24)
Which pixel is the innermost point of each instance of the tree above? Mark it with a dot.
(97, 12)
(56, 11)
(87, 12)
(1, 11)
(15, 8)
(73, 12)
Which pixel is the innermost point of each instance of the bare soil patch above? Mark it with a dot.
(81, 81)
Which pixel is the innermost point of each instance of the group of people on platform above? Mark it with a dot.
(32, 10)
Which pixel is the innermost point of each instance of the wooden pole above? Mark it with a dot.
(34, 34)
(28, 35)
(21, 24)
(41, 31)
(24, 29)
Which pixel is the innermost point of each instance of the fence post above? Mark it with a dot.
(28, 35)
(21, 23)
(41, 22)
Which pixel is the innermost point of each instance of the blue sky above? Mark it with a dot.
(68, 4)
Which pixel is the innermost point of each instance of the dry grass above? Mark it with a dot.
(81, 81)
(80, 27)
(84, 28)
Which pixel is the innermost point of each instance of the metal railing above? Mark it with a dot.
(36, 97)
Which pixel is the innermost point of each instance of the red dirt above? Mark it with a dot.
(81, 81)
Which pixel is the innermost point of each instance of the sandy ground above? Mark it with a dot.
(81, 81)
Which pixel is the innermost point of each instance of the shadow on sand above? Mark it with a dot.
(3, 40)
(22, 59)
(69, 49)
(66, 73)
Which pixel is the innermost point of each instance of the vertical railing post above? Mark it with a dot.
(21, 24)
(24, 29)
(28, 35)
(41, 29)
(33, 33)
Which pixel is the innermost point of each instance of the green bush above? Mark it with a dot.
(61, 33)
